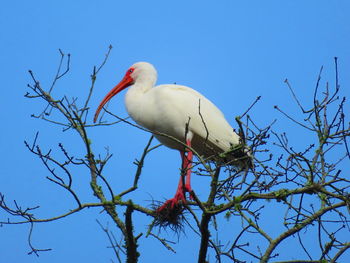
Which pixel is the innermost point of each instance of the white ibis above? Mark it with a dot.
(177, 111)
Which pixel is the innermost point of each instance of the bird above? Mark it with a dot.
(180, 118)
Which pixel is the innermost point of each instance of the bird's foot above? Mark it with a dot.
(171, 213)
(178, 200)
(168, 205)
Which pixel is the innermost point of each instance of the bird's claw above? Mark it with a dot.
(169, 205)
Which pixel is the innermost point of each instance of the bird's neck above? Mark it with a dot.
(145, 81)
(142, 84)
(134, 97)
(139, 88)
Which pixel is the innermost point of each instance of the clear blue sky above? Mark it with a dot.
(231, 51)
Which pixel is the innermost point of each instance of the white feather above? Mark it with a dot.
(170, 108)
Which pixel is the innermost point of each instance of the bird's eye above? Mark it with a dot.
(131, 70)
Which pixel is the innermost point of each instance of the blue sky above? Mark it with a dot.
(231, 51)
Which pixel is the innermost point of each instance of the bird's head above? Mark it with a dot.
(141, 72)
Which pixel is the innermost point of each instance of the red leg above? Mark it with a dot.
(187, 166)
(185, 173)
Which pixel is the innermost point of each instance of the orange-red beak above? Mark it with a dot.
(124, 83)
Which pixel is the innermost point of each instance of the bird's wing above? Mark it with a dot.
(205, 120)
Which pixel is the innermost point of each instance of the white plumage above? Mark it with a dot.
(169, 109)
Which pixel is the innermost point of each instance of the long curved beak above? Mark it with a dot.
(124, 83)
